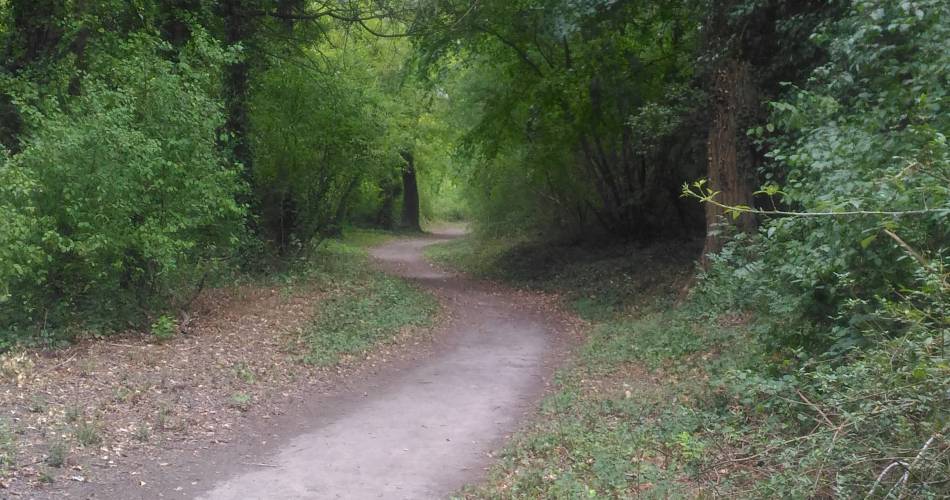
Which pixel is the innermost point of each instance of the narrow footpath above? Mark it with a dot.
(429, 429)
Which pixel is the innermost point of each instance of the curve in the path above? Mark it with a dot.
(428, 430)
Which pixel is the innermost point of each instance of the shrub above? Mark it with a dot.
(122, 198)
(867, 134)
(164, 329)
(241, 401)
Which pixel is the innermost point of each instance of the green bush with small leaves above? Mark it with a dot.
(120, 200)
(164, 329)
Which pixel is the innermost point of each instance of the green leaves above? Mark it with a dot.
(863, 138)
(121, 197)
(560, 105)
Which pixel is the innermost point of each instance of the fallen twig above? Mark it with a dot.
(260, 464)
(902, 482)
(816, 408)
(57, 365)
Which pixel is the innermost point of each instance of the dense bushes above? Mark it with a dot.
(852, 308)
(315, 143)
(866, 136)
(121, 195)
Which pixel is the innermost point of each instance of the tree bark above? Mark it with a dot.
(385, 217)
(729, 152)
(343, 205)
(238, 28)
(410, 194)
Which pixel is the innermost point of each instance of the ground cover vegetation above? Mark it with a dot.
(808, 357)
(795, 149)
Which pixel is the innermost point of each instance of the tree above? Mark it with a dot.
(32, 35)
(410, 190)
(583, 85)
(753, 47)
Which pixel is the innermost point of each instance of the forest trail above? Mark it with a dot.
(430, 428)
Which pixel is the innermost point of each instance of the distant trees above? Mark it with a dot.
(410, 189)
(573, 105)
(595, 113)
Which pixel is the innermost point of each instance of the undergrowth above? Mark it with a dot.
(685, 400)
(363, 306)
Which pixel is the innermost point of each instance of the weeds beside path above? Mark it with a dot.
(595, 434)
(670, 400)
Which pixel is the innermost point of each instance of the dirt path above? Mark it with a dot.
(430, 428)
(419, 422)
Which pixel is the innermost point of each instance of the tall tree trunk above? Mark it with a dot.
(174, 26)
(392, 189)
(239, 28)
(410, 194)
(78, 49)
(730, 155)
(343, 204)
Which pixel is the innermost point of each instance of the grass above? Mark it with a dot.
(142, 432)
(7, 445)
(244, 373)
(57, 453)
(375, 309)
(38, 404)
(87, 433)
(361, 308)
(72, 413)
(366, 238)
(669, 400)
(241, 401)
(364, 306)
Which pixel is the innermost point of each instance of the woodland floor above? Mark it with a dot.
(227, 410)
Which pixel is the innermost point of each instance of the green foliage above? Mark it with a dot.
(141, 157)
(241, 401)
(57, 454)
(87, 433)
(566, 111)
(851, 309)
(669, 402)
(120, 198)
(315, 143)
(365, 238)
(867, 134)
(7, 445)
(243, 372)
(72, 414)
(164, 329)
(38, 404)
(142, 433)
(366, 307)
